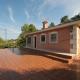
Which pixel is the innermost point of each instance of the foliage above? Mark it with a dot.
(21, 41)
(65, 19)
(76, 17)
(26, 28)
(52, 24)
(7, 43)
(11, 43)
(2, 43)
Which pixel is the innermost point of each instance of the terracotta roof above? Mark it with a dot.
(56, 27)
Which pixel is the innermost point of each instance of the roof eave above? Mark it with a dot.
(56, 27)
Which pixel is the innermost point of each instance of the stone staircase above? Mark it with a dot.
(62, 57)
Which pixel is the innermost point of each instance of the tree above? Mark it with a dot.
(26, 28)
(65, 19)
(76, 17)
(21, 42)
(32, 28)
(11, 43)
(2, 43)
(52, 24)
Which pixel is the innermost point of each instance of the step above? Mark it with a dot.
(52, 53)
(58, 58)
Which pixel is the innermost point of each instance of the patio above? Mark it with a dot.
(29, 66)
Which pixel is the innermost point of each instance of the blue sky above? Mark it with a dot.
(15, 13)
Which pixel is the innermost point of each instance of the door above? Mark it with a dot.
(35, 42)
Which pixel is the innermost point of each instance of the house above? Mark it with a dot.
(61, 38)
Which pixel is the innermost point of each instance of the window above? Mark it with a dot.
(29, 40)
(71, 28)
(43, 39)
(53, 37)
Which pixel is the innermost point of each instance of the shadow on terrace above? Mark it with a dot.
(53, 74)
(27, 51)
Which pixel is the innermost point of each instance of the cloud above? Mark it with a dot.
(43, 7)
(27, 14)
(40, 15)
(71, 7)
(12, 31)
(10, 28)
(11, 14)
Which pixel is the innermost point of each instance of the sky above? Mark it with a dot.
(15, 13)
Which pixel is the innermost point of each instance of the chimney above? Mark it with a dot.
(45, 24)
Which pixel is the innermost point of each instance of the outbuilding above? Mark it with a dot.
(61, 38)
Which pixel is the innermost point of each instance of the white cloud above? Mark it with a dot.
(40, 15)
(42, 8)
(12, 31)
(72, 7)
(27, 14)
(11, 14)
